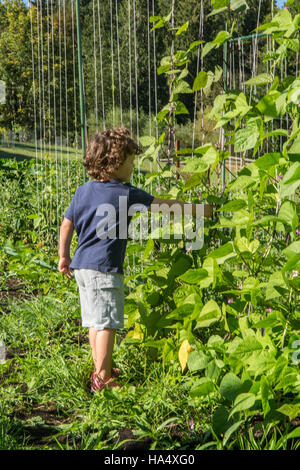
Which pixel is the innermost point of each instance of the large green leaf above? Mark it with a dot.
(162, 113)
(220, 420)
(214, 368)
(219, 102)
(241, 105)
(292, 249)
(247, 347)
(283, 18)
(238, 6)
(267, 161)
(217, 4)
(294, 93)
(211, 157)
(262, 79)
(233, 206)
(207, 48)
(196, 165)
(209, 314)
(211, 266)
(181, 108)
(230, 386)
(210, 80)
(292, 44)
(160, 23)
(182, 28)
(223, 253)
(269, 322)
(296, 432)
(267, 219)
(288, 212)
(218, 73)
(244, 245)
(292, 263)
(265, 391)
(290, 410)
(280, 104)
(197, 360)
(221, 37)
(148, 248)
(245, 139)
(204, 387)
(239, 218)
(243, 402)
(182, 293)
(216, 11)
(288, 381)
(192, 182)
(200, 81)
(295, 147)
(177, 315)
(267, 105)
(193, 276)
(251, 286)
(242, 182)
(131, 311)
(181, 265)
(274, 287)
(182, 87)
(290, 181)
(193, 45)
(293, 175)
(146, 140)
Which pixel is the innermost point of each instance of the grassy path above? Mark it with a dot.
(45, 397)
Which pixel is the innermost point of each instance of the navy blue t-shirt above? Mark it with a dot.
(99, 211)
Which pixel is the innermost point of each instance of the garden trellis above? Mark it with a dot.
(48, 34)
(59, 72)
(215, 331)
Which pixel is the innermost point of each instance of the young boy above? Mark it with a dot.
(98, 260)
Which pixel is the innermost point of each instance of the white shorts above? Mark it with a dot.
(101, 298)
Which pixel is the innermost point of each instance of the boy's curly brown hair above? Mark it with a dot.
(108, 151)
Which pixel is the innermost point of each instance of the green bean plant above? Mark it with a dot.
(229, 312)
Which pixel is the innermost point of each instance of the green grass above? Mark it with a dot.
(48, 368)
(24, 150)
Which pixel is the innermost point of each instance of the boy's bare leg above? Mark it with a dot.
(92, 339)
(104, 348)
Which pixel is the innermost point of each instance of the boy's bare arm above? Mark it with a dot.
(208, 208)
(65, 238)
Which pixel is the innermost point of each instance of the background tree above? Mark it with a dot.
(15, 66)
(16, 58)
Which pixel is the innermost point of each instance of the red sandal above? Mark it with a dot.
(115, 372)
(99, 384)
